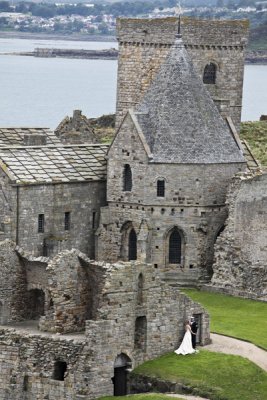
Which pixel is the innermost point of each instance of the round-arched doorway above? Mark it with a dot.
(122, 365)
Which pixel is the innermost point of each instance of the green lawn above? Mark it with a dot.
(232, 316)
(145, 396)
(255, 133)
(213, 375)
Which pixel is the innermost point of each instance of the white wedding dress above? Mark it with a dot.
(186, 345)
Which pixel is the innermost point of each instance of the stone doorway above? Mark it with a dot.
(198, 319)
(36, 303)
(121, 369)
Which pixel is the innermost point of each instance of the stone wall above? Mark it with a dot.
(21, 275)
(75, 130)
(73, 291)
(241, 250)
(144, 45)
(28, 362)
(81, 200)
(163, 308)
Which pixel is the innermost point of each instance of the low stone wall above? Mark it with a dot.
(145, 384)
(28, 363)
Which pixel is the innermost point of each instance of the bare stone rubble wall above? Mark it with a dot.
(73, 292)
(76, 130)
(144, 45)
(27, 366)
(241, 250)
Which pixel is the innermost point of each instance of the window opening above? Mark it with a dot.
(175, 247)
(160, 188)
(132, 254)
(140, 333)
(40, 223)
(67, 221)
(209, 75)
(93, 219)
(127, 178)
(59, 370)
(140, 289)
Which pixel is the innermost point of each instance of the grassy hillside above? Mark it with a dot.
(143, 396)
(255, 133)
(233, 316)
(213, 375)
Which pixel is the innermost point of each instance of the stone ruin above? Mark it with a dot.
(76, 129)
(241, 249)
(95, 320)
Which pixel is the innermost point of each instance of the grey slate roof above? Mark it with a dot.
(48, 164)
(15, 136)
(179, 119)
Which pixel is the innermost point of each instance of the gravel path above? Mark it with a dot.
(228, 345)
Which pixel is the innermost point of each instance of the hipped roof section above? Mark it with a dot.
(179, 119)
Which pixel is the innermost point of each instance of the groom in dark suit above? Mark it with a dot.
(194, 328)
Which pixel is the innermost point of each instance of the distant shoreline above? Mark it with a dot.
(256, 57)
(57, 36)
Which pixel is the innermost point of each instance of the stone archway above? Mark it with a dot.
(121, 366)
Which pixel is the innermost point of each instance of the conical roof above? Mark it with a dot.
(179, 119)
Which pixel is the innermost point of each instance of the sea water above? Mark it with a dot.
(42, 91)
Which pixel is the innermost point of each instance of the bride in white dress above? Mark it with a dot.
(186, 345)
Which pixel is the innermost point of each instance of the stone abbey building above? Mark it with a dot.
(97, 239)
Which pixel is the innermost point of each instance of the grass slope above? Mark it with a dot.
(145, 396)
(232, 316)
(255, 133)
(213, 375)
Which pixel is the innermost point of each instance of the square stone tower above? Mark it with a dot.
(216, 49)
(168, 169)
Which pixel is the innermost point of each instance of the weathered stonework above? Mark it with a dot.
(76, 130)
(52, 181)
(145, 43)
(68, 321)
(241, 249)
(128, 314)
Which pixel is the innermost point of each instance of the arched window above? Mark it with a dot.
(175, 247)
(209, 75)
(127, 178)
(160, 188)
(132, 249)
(140, 289)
